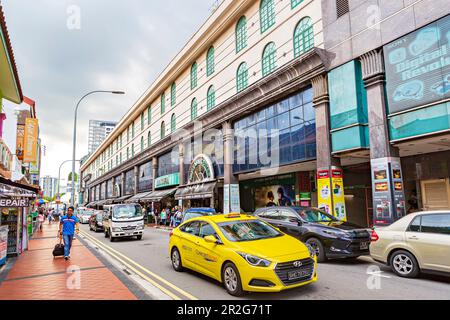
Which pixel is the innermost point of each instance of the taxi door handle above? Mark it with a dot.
(413, 238)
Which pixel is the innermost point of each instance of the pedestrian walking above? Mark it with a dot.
(50, 217)
(178, 217)
(41, 219)
(67, 228)
(163, 217)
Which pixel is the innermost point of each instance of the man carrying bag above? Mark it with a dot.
(67, 227)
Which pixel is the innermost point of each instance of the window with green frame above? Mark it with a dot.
(117, 160)
(194, 76)
(211, 98)
(163, 103)
(266, 14)
(120, 157)
(173, 94)
(132, 131)
(128, 153)
(241, 34)
(210, 62)
(142, 144)
(269, 59)
(149, 115)
(163, 130)
(242, 77)
(149, 139)
(295, 3)
(128, 134)
(142, 121)
(173, 123)
(132, 150)
(194, 109)
(303, 37)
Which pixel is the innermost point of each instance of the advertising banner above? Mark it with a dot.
(418, 67)
(276, 195)
(382, 200)
(398, 188)
(324, 191)
(337, 182)
(235, 203)
(3, 244)
(20, 141)
(31, 140)
(226, 199)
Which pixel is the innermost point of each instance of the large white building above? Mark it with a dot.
(49, 186)
(98, 131)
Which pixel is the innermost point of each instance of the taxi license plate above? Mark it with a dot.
(293, 275)
(364, 245)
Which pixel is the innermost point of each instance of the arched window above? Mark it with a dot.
(295, 3)
(210, 62)
(211, 98)
(163, 130)
(163, 103)
(132, 130)
(242, 77)
(194, 109)
(269, 59)
(149, 139)
(241, 34)
(149, 115)
(132, 150)
(142, 144)
(173, 94)
(173, 123)
(266, 14)
(142, 122)
(303, 37)
(194, 76)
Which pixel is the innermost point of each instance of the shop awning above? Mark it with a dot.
(101, 203)
(122, 199)
(109, 201)
(156, 196)
(138, 197)
(90, 204)
(198, 191)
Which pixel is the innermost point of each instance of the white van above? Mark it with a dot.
(123, 220)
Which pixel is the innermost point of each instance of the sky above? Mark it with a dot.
(66, 48)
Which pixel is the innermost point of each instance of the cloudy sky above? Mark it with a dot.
(121, 45)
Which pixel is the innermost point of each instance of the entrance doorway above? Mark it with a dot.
(436, 194)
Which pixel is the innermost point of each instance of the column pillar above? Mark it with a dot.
(181, 159)
(136, 180)
(330, 184)
(123, 183)
(154, 170)
(231, 199)
(387, 176)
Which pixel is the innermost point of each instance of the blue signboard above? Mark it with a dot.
(418, 67)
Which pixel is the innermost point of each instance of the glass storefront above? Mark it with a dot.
(168, 163)
(145, 182)
(129, 182)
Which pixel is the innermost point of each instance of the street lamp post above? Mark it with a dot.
(59, 179)
(72, 199)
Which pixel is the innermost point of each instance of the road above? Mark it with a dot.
(337, 279)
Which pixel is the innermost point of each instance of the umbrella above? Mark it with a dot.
(41, 201)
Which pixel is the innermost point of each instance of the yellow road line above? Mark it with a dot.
(152, 274)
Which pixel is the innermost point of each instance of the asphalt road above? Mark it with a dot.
(337, 279)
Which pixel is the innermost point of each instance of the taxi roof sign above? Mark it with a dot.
(232, 215)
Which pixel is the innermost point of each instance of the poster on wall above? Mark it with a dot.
(381, 190)
(398, 190)
(337, 182)
(276, 195)
(226, 199)
(235, 204)
(418, 67)
(324, 191)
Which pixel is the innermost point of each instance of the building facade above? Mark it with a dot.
(49, 186)
(98, 131)
(284, 102)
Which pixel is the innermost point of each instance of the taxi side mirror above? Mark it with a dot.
(210, 239)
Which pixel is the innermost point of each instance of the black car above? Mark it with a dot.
(330, 237)
(96, 221)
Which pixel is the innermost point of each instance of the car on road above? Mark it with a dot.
(243, 253)
(123, 221)
(330, 237)
(96, 221)
(419, 242)
(197, 212)
(84, 215)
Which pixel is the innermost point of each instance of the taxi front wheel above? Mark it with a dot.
(176, 260)
(232, 280)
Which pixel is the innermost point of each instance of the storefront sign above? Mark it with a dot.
(14, 203)
(337, 182)
(201, 169)
(418, 67)
(31, 140)
(324, 190)
(167, 181)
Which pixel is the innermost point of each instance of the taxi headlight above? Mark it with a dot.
(255, 261)
(312, 251)
(117, 229)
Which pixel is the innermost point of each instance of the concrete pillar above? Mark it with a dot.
(231, 200)
(136, 180)
(181, 157)
(122, 192)
(154, 169)
(329, 172)
(387, 176)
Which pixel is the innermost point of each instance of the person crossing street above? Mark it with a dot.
(67, 227)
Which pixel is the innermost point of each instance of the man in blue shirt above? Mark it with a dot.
(67, 227)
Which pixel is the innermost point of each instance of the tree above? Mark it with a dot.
(70, 177)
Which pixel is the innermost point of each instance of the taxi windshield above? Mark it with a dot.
(315, 215)
(250, 230)
(127, 211)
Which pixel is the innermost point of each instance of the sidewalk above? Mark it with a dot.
(35, 275)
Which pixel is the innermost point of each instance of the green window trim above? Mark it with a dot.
(149, 139)
(128, 134)
(267, 14)
(173, 94)
(242, 77)
(295, 3)
(163, 103)
(211, 98)
(241, 34)
(194, 76)
(142, 144)
(128, 153)
(149, 115)
(173, 123)
(163, 130)
(194, 109)
(210, 62)
(132, 150)
(132, 131)
(269, 59)
(303, 37)
(142, 122)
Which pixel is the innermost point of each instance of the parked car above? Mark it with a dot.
(242, 252)
(197, 212)
(96, 221)
(419, 242)
(84, 215)
(123, 221)
(328, 236)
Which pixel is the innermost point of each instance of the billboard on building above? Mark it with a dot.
(31, 140)
(418, 67)
(20, 141)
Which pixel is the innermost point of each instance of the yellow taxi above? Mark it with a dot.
(242, 252)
